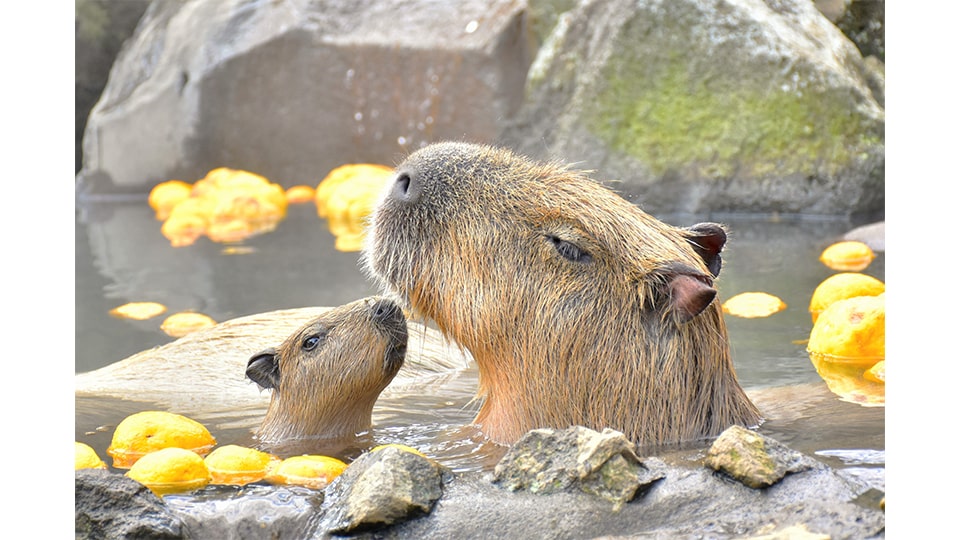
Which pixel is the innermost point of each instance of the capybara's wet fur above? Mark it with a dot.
(578, 307)
(327, 375)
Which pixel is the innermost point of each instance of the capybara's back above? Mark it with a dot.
(579, 308)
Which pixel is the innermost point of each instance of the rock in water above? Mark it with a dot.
(753, 459)
(600, 463)
(380, 489)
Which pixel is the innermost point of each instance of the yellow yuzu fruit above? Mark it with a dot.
(238, 465)
(138, 311)
(300, 194)
(840, 287)
(170, 470)
(848, 256)
(309, 470)
(851, 328)
(877, 373)
(186, 322)
(148, 431)
(361, 175)
(85, 457)
(753, 304)
(166, 195)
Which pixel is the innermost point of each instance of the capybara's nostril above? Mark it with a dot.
(386, 310)
(403, 182)
(405, 187)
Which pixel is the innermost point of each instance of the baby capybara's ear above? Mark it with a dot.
(263, 368)
(707, 240)
(684, 291)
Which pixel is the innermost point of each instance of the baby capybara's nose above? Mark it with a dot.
(386, 311)
(406, 187)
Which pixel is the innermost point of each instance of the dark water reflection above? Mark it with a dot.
(122, 257)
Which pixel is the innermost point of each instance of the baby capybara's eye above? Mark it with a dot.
(569, 250)
(311, 342)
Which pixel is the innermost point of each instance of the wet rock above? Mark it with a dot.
(692, 106)
(753, 459)
(689, 501)
(872, 234)
(380, 489)
(291, 90)
(101, 28)
(551, 461)
(253, 511)
(110, 505)
(863, 21)
(793, 532)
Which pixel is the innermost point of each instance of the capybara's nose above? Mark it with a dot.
(406, 187)
(385, 311)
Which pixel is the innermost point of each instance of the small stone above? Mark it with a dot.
(380, 489)
(604, 464)
(754, 460)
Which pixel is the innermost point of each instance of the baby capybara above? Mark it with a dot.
(327, 375)
(578, 307)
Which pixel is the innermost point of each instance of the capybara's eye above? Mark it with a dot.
(310, 342)
(569, 250)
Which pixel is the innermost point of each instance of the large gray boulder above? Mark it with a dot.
(101, 27)
(721, 105)
(683, 106)
(291, 90)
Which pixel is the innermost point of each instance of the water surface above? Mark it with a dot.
(122, 257)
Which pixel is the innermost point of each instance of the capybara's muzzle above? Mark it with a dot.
(388, 317)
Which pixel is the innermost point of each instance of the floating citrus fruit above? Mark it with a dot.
(846, 344)
(238, 465)
(310, 471)
(187, 222)
(185, 322)
(345, 198)
(753, 304)
(165, 195)
(877, 373)
(403, 447)
(843, 286)
(851, 328)
(148, 431)
(300, 194)
(139, 311)
(87, 458)
(170, 470)
(848, 256)
(227, 205)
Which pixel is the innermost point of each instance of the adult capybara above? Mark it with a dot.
(578, 307)
(327, 375)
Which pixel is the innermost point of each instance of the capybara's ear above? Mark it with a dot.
(263, 368)
(687, 291)
(707, 240)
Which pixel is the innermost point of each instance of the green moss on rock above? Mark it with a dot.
(702, 108)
